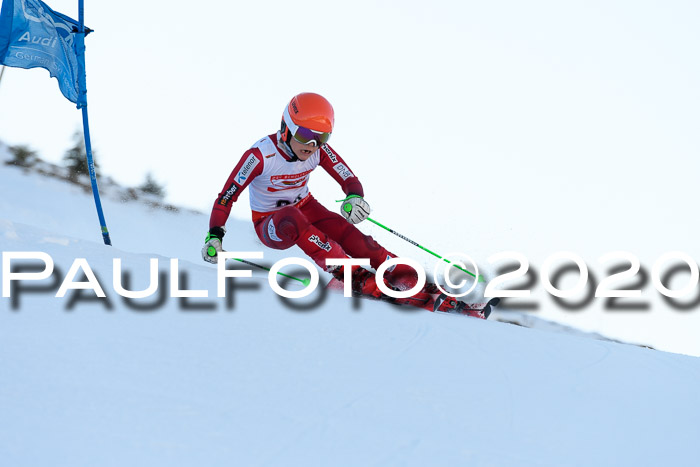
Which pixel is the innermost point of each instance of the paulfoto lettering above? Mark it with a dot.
(46, 264)
(621, 286)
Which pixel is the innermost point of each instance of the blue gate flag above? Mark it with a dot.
(33, 35)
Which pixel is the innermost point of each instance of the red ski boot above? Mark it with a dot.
(363, 281)
(447, 304)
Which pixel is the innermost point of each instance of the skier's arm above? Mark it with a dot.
(354, 208)
(249, 167)
(339, 170)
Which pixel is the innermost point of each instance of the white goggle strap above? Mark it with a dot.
(289, 122)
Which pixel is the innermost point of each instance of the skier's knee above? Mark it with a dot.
(290, 223)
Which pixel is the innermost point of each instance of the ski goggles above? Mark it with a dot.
(308, 136)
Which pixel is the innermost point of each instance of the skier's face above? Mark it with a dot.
(303, 151)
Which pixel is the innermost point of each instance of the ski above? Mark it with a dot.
(435, 302)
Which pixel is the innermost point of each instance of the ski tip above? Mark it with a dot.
(438, 301)
(493, 303)
(480, 278)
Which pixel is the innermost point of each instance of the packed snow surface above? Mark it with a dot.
(253, 380)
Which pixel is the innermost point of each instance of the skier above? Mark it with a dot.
(276, 169)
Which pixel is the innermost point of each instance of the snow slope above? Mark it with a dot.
(257, 382)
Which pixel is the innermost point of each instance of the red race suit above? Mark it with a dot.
(284, 211)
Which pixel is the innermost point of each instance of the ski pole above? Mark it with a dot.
(478, 279)
(250, 263)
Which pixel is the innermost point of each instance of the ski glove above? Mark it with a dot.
(212, 247)
(355, 209)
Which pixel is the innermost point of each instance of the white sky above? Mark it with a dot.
(474, 126)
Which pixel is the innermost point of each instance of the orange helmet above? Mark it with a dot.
(308, 118)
